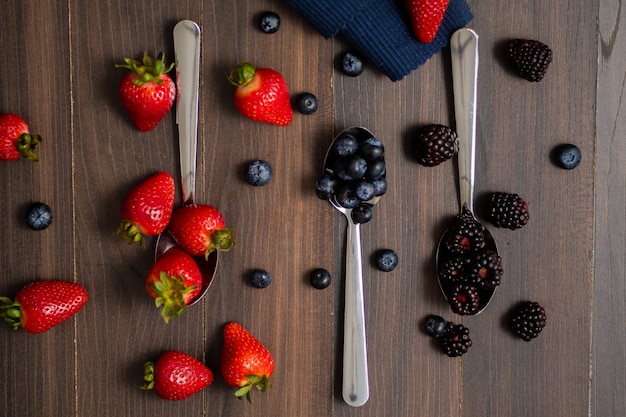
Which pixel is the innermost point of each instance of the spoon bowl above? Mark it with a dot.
(355, 386)
(464, 50)
(187, 49)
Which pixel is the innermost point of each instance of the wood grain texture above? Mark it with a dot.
(570, 257)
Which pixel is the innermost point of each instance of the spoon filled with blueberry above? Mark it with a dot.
(468, 265)
(354, 179)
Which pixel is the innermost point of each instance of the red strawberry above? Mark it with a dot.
(146, 91)
(176, 376)
(147, 208)
(245, 362)
(15, 140)
(200, 229)
(261, 94)
(426, 17)
(173, 282)
(42, 305)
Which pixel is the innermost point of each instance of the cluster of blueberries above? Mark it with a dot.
(355, 173)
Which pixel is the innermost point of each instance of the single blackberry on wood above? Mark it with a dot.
(455, 340)
(528, 320)
(465, 234)
(484, 270)
(435, 144)
(530, 58)
(464, 299)
(507, 210)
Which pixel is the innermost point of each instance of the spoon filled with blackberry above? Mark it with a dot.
(468, 265)
(354, 179)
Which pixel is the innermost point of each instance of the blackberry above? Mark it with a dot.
(455, 340)
(453, 269)
(528, 320)
(484, 270)
(507, 210)
(435, 144)
(464, 299)
(530, 58)
(465, 234)
(435, 326)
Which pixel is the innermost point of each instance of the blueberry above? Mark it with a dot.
(371, 149)
(339, 170)
(269, 22)
(567, 156)
(306, 103)
(325, 186)
(364, 190)
(38, 216)
(375, 169)
(352, 64)
(260, 278)
(319, 278)
(355, 166)
(380, 185)
(362, 213)
(346, 144)
(435, 325)
(258, 173)
(386, 260)
(346, 197)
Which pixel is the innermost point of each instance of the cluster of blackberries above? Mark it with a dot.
(453, 338)
(355, 173)
(469, 268)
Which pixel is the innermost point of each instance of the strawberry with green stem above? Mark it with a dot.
(16, 140)
(261, 94)
(146, 91)
(245, 363)
(200, 229)
(147, 208)
(173, 282)
(43, 304)
(176, 376)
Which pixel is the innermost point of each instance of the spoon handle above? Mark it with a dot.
(187, 49)
(464, 50)
(355, 387)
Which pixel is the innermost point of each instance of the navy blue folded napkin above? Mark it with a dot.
(379, 29)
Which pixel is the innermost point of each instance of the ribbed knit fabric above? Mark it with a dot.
(379, 29)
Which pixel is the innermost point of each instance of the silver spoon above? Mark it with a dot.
(464, 50)
(355, 386)
(187, 49)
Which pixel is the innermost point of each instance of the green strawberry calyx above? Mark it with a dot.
(148, 70)
(170, 294)
(242, 74)
(262, 383)
(27, 146)
(221, 240)
(130, 232)
(148, 376)
(11, 312)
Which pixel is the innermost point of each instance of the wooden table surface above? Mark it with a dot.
(58, 72)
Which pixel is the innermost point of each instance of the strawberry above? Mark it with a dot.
(173, 282)
(200, 229)
(42, 305)
(146, 91)
(15, 140)
(426, 17)
(176, 376)
(147, 208)
(261, 94)
(245, 362)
